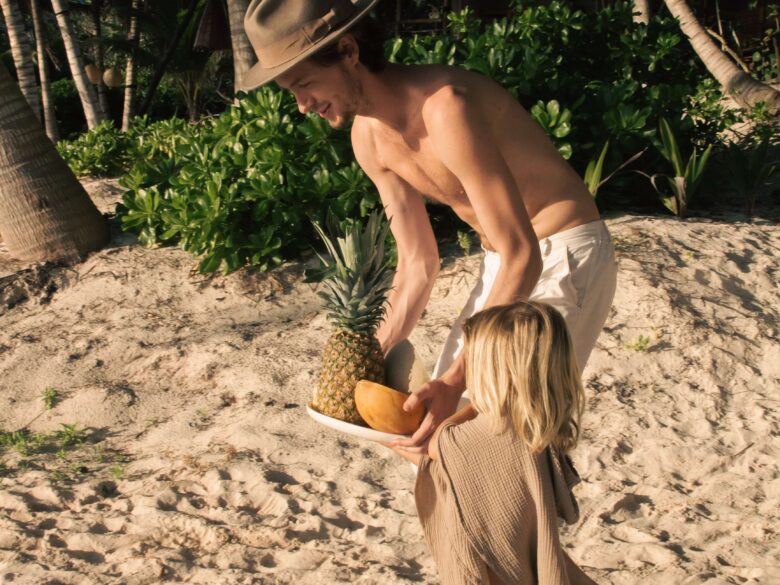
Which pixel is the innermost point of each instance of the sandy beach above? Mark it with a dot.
(199, 464)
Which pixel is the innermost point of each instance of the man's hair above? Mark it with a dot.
(370, 36)
(522, 374)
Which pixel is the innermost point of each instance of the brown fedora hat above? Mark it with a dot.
(285, 32)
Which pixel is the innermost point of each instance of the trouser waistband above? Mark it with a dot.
(591, 232)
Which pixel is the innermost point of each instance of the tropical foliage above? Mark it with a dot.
(623, 102)
(242, 188)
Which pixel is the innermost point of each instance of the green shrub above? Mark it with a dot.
(106, 151)
(555, 123)
(749, 169)
(615, 78)
(243, 188)
(100, 152)
(159, 139)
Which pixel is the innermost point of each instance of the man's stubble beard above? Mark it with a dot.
(344, 121)
(355, 97)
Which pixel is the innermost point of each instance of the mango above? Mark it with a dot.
(382, 409)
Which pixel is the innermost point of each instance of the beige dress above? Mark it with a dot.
(489, 502)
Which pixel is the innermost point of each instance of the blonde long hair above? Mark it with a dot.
(521, 371)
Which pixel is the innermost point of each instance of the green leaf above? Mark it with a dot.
(670, 149)
(594, 171)
(210, 263)
(562, 130)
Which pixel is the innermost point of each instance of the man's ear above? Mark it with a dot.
(348, 49)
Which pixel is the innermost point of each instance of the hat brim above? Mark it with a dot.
(259, 75)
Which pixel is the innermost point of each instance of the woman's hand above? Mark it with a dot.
(440, 399)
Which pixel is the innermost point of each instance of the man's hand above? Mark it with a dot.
(441, 400)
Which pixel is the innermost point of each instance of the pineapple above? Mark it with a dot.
(357, 280)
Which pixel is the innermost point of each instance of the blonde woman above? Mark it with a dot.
(496, 477)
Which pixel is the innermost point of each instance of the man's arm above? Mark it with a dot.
(418, 255)
(462, 138)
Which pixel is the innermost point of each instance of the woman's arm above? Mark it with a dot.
(466, 413)
(411, 457)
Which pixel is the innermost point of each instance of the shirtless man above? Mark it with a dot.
(458, 138)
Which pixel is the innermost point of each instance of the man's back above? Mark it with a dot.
(554, 196)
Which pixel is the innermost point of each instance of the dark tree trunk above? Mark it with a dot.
(49, 117)
(21, 50)
(102, 91)
(167, 58)
(133, 36)
(243, 54)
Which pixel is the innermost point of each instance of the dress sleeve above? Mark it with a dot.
(456, 560)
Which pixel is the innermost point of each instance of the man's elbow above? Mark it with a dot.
(431, 265)
(422, 267)
(534, 265)
(525, 264)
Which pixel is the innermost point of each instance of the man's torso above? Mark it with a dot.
(554, 197)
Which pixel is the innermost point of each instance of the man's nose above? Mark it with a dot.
(304, 103)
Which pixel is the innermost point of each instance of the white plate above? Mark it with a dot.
(354, 430)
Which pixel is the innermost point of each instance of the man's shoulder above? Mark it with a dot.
(361, 129)
(363, 139)
(457, 94)
(446, 100)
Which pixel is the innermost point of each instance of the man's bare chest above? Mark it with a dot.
(418, 165)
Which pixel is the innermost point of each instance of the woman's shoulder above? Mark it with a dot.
(483, 439)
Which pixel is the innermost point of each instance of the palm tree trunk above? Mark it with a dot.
(642, 11)
(99, 57)
(45, 214)
(133, 36)
(89, 100)
(22, 53)
(49, 117)
(243, 54)
(745, 90)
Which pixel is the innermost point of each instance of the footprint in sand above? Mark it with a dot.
(343, 521)
(306, 529)
(622, 449)
(281, 478)
(628, 507)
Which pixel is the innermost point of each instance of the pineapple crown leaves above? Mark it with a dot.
(355, 275)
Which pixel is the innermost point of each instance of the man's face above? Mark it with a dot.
(332, 92)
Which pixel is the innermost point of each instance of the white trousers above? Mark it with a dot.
(578, 278)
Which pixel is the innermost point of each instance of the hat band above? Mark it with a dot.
(291, 46)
